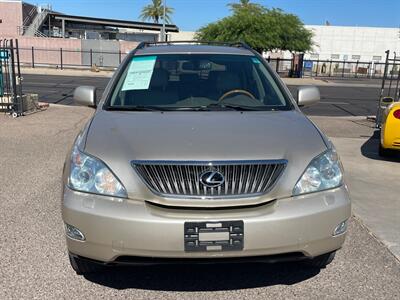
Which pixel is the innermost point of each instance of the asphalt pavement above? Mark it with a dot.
(338, 97)
(34, 263)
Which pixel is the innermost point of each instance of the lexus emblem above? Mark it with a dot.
(212, 178)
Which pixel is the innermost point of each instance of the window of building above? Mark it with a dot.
(345, 57)
(335, 56)
(356, 57)
(377, 58)
(314, 56)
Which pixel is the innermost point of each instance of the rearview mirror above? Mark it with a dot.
(85, 96)
(308, 95)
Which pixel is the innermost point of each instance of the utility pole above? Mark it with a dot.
(163, 35)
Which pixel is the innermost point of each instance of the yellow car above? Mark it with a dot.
(390, 130)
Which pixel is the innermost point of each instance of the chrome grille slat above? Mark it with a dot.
(271, 174)
(248, 179)
(253, 187)
(264, 178)
(172, 174)
(182, 179)
(164, 177)
(240, 179)
(187, 175)
(164, 190)
(233, 180)
(196, 173)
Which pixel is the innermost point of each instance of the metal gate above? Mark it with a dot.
(10, 78)
(390, 89)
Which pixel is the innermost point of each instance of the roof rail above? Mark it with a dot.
(228, 44)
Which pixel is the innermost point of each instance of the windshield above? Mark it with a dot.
(197, 81)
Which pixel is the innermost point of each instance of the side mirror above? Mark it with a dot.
(308, 95)
(85, 96)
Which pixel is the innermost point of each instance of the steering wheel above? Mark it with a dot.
(234, 92)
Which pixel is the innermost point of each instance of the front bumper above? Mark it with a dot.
(119, 228)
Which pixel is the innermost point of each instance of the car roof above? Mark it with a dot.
(192, 49)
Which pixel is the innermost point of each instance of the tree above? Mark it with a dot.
(244, 4)
(155, 12)
(263, 29)
(292, 35)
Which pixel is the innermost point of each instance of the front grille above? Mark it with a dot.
(189, 179)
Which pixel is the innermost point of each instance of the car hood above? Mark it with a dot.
(117, 138)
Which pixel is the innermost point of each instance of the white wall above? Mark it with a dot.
(181, 36)
(362, 43)
(367, 43)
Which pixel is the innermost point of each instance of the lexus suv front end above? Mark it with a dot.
(199, 153)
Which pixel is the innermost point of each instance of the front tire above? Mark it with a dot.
(321, 261)
(82, 266)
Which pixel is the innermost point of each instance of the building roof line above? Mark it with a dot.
(115, 23)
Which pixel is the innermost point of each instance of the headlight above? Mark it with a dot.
(324, 172)
(89, 174)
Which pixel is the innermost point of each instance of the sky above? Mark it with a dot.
(190, 15)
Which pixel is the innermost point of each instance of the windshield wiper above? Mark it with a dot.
(136, 108)
(235, 107)
(209, 107)
(220, 107)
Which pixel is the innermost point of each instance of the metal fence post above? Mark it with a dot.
(392, 73)
(316, 71)
(91, 57)
(61, 58)
(369, 71)
(378, 112)
(330, 69)
(17, 103)
(291, 71)
(119, 56)
(277, 65)
(33, 57)
(19, 75)
(344, 62)
(1, 75)
(357, 68)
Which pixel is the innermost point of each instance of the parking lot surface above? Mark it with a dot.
(34, 261)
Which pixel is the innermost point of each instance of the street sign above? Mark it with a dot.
(308, 64)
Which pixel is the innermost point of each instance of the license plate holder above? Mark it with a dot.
(214, 236)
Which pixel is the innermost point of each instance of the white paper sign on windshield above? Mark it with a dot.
(139, 73)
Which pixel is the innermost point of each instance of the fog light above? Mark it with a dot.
(74, 233)
(341, 228)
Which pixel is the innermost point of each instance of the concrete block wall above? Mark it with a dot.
(126, 46)
(10, 18)
(47, 51)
